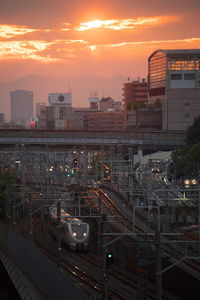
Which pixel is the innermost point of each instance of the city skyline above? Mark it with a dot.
(102, 39)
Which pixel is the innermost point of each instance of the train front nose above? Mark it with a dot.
(79, 231)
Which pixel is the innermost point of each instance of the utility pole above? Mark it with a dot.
(130, 175)
(104, 273)
(142, 264)
(101, 164)
(85, 166)
(10, 190)
(199, 216)
(158, 265)
(59, 246)
(30, 221)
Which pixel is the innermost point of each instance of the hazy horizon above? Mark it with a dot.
(41, 85)
(101, 38)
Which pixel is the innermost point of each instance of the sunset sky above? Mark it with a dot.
(103, 38)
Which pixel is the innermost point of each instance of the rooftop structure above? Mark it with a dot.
(60, 99)
(174, 79)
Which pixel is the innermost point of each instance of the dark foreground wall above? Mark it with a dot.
(34, 276)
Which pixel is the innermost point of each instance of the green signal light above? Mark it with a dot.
(109, 259)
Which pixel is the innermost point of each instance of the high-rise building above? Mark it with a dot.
(40, 109)
(21, 106)
(174, 80)
(2, 118)
(40, 112)
(134, 91)
(59, 113)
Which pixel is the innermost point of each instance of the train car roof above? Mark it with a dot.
(65, 217)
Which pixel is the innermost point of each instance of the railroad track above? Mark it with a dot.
(191, 266)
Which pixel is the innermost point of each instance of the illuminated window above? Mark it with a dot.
(157, 70)
(184, 63)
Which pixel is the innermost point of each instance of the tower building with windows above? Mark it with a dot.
(174, 80)
(21, 104)
(59, 112)
(134, 91)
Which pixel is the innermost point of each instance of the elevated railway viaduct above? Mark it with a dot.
(140, 139)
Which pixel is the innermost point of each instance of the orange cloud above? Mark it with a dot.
(24, 50)
(127, 44)
(66, 28)
(42, 51)
(9, 31)
(61, 50)
(121, 24)
(51, 45)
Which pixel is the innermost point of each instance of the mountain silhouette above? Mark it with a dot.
(80, 86)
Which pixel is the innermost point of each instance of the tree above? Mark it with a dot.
(7, 179)
(178, 158)
(193, 133)
(136, 105)
(155, 104)
(187, 159)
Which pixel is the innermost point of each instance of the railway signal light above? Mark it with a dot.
(109, 259)
(75, 161)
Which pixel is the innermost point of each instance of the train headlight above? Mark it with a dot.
(74, 234)
(84, 234)
(193, 181)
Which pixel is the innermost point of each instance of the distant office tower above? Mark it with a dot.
(21, 106)
(134, 91)
(59, 113)
(2, 118)
(40, 109)
(40, 113)
(174, 80)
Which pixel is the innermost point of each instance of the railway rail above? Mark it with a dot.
(177, 241)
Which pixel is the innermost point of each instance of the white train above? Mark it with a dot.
(73, 231)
